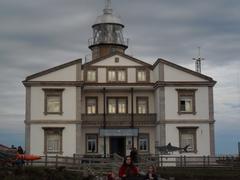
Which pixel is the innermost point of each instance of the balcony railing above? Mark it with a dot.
(119, 120)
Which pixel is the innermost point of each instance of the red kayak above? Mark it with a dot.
(28, 157)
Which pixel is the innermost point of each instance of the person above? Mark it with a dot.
(128, 170)
(20, 162)
(134, 155)
(151, 174)
(20, 150)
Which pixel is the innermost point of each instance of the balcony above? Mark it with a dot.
(119, 120)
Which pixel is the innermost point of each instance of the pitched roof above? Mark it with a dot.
(56, 68)
(119, 54)
(181, 68)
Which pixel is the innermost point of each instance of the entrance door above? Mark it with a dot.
(117, 145)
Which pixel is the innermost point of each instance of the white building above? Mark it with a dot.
(115, 102)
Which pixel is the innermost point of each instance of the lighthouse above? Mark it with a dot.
(107, 34)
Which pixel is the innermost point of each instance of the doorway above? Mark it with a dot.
(117, 145)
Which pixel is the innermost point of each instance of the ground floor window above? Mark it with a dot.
(53, 140)
(92, 143)
(143, 142)
(187, 136)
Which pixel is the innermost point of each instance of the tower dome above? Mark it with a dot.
(107, 34)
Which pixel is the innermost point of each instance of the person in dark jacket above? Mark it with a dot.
(151, 174)
(128, 170)
(134, 155)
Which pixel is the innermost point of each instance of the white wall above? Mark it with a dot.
(171, 103)
(68, 138)
(66, 74)
(202, 136)
(37, 104)
(172, 74)
(111, 62)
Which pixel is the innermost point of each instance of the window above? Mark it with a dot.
(92, 75)
(53, 140)
(53, 101)
(117, 75)
(186, 101)
(142, 75)
(187, 136)
(142, 105)
(91, 105)
(117, 105)
(143, 142)
(92, 143)
(112, 75)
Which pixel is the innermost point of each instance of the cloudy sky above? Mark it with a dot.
(37, 35)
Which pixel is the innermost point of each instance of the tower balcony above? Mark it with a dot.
(109, 40)
(119, 120)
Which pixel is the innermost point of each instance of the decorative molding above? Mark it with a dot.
(211, 118)
(186, 121)
(53, 122)
(183, 83)
(78, 119)
(53, 83)
(28, 119)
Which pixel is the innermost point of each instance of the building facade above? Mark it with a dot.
(115, 102)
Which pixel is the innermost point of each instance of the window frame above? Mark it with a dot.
(188, 130)
(116, 70)
(96, 145)
(146, 135)
(190, 93)
(86, 104)
(147, 74)
(53, 130)
(86, 75)
(145, 98)
(48, 92)
(117, 104)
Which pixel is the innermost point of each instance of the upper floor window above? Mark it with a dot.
(143, 142)
(117, 105)
(91, 105)
(92, 75)
(187, 137)
(186, 101)
(117, 75)
(142, 105)
(52, 140)
(92, 143)
(53, 101)
(142, 75)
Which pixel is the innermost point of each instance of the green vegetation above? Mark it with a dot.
(200, 173)
(42, 173)
(39, 173)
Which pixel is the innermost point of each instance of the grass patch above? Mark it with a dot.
(200, 173)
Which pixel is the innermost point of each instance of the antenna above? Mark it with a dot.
(198, 61)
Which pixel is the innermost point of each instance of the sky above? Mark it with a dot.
(38, 35)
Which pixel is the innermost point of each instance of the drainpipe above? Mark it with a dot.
(104, 120)
(132, 121)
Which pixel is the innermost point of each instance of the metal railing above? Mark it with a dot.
(119, 119)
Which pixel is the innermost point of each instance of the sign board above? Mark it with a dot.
(118, 132)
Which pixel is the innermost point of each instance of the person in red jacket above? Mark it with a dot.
(128, 170)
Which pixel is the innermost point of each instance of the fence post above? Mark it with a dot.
(46, 159)
(181, 164)
(56, 160)
(208, 161)
(204, 161)
(74, 160)
(185, 162)
(161, 160)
